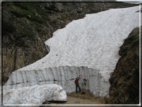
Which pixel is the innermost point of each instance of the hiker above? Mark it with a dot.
(77, 84)
(83, 83)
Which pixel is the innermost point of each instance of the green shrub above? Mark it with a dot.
(52, 7)
(25, 14)
(34, 18)
(23, 5)
(7, 27)
(20, 12)
(135, 43)
(17, 14)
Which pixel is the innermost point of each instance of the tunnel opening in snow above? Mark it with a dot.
(57, 101)
(63, 76)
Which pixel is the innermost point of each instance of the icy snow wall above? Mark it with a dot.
(63, 76)
(34, 95)
(84, 46)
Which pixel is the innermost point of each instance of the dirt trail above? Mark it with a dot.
(87, 98)
(74, 100)
(78, 98)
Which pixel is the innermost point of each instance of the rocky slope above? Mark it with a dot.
(27, 25)
(125, 78)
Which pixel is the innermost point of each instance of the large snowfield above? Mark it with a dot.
(87, 46)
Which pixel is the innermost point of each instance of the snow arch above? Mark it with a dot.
(63, 75)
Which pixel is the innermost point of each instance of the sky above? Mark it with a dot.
(136, 1)
(131, 1)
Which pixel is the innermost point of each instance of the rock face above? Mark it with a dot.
(27, 25)
(86, 46)
(125, 78)
(34, 95)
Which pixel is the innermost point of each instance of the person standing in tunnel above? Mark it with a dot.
(83, 84)
(77, 84)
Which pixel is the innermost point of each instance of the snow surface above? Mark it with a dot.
(84, 46)
(34, 95)
(93, 41)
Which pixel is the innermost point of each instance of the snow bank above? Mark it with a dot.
(34, 95)
(92, 42)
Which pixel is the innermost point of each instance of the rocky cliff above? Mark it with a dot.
(25, 27)
(125, 78)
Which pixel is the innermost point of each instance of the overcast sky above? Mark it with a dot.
(131, 1)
